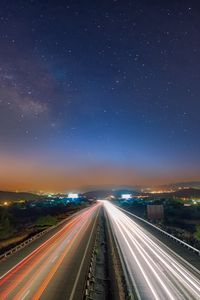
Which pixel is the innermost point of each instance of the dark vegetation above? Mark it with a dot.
(180, 220)
(16, 196)
(19, 221)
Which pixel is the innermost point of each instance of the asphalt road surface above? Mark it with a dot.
(57, 267)
(155, 271)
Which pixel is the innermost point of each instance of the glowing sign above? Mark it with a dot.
(72, 196)
(126, 196)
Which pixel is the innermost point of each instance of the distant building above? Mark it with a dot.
(126, 196)
(155, 212)
(73, 196)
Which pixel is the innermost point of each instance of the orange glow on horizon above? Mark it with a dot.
(24, 174)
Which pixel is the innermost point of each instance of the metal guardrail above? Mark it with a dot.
(131, 292)
(33, 238)
(195, 250)
(90, 279)
(29, 241)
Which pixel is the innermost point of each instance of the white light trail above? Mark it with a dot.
(158, 273)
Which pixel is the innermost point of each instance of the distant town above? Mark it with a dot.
(174, 208)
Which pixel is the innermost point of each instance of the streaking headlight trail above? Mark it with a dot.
(38, 272)
(155, 272)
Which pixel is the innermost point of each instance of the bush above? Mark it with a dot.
(197, 233)
(6, 230)
(46, 221)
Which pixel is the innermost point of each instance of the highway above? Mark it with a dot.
(56, 269)
(154, 271)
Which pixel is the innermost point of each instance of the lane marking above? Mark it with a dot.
(26, 294)
(43, 256)
(83, 259)
(126, 269)
(126, 223)
(41, 246)
(54, 258)
(170, 261)
(172, 251)
(41, 289)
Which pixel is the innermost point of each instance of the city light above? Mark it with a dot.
(126, 196)
(73, 196)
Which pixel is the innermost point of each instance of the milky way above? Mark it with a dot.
(98, 92)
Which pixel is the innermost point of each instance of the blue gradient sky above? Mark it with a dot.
(98, 92)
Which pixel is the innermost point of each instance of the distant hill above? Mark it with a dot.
(186, 192)
(12, 196)
(104, 190)
(190, 192)
(189, 184)
(98, 194)
(105, 193)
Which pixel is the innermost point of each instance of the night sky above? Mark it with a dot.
(98, 93)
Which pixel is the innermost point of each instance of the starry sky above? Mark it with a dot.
(98, 93)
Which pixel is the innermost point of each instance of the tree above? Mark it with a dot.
(46, 221)
(197, 233)
(6, 229)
